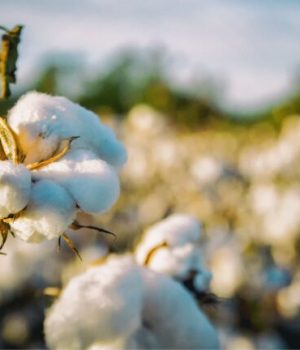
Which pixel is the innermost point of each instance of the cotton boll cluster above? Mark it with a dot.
(50, 211)
(70, 165)
(121, 305)
(172, 247)
(15, 185)
(92, 182)
(188, 328)
(41, 121)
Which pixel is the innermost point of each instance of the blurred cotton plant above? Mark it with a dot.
(172, 247)
(58, 160)
(121, 305)
(129, 301)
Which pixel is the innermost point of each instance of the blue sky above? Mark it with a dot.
(251, 46)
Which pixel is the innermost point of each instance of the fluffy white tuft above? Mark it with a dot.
(101, 306)
(50, 211)
(41, 121)
(119, 305)
(92, 182)
(180, 257)
(176, 230)
(15, 185)
(172, 314)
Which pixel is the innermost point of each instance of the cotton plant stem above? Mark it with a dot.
(9, 57)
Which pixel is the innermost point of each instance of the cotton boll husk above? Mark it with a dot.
(50, 211)
(92, 182)
(100, 306)
(15, 185)
(180, 262)
(172, 314)
(176, 230)
(42, 121)
(177, 261)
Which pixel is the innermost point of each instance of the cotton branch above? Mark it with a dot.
(8, 58)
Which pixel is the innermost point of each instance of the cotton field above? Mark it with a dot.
(167, 238)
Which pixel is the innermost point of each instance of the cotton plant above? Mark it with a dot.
(57, 159)
(122, 305)
(172, 247)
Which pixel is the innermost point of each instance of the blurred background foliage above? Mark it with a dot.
(238, 173)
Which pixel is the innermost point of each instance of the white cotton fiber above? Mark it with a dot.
(50, 211)
(42, 121)
(176, 230)
(173, 316)
(92, 182)
(177, 262)
(15, 185)
(180, 257)
(101, 306)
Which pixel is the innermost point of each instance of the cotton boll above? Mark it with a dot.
(49, 213)
(178, 262)
(92, 182)
(15, 185)
(42, 121)
(171, 313)
(176, 230)
(101, 306)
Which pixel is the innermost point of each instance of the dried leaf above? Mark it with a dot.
(2, 154)
(63, 148)
(4, 231)
(76, 226)
(52, 291)
(153, 251)
(99, 261)
(12, 217)
(9, 142)
(9, 57)
(59, 244)
(71, 245)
